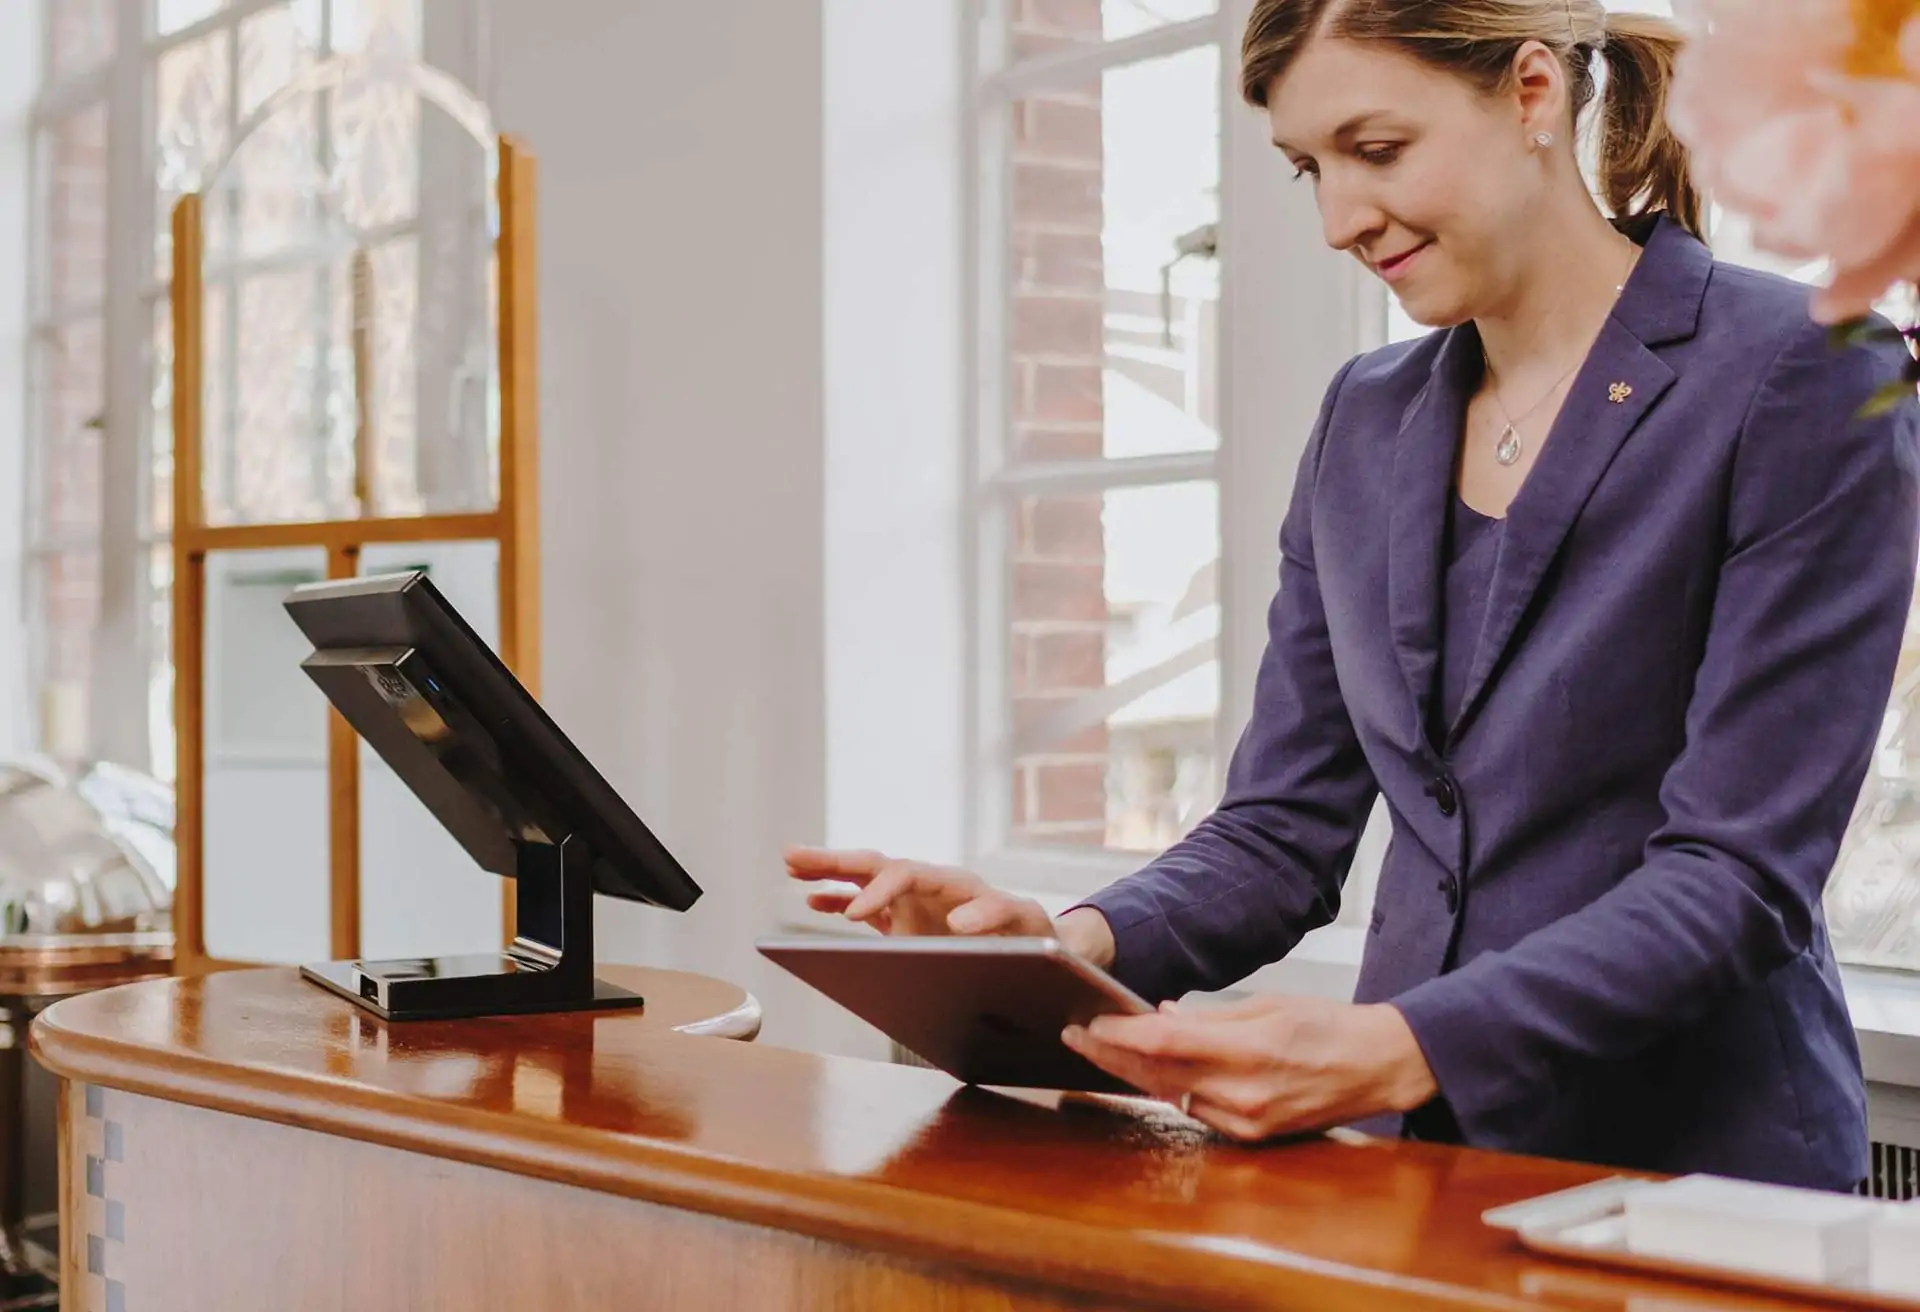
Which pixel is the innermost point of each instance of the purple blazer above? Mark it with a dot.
(1600, 910)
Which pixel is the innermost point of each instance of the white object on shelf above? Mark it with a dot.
(1797, 1234)
(1895, 1264)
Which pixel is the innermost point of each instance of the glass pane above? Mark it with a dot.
(158, 497)
(266, 763)
(392, 294)
(69, 377)
(1122, 18)
(1113, 666)
(363, 332)
(276, 46)
(159, 639)
(74, 164)
(374, 130)
(66, 598)
(281, 457)
(383, 28)
(1042, 27)
(1110, 184)
(275, 182)
(79, 35)
(192, 91)
(172, 15)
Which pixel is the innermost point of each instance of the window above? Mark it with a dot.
(140, 100)
(1099, 539)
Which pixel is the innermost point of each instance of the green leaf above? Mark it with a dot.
(1855, 332)
(1884, 401)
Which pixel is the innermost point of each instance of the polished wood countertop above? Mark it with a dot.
(1120, 1199)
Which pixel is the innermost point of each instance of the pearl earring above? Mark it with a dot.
(1543, 139)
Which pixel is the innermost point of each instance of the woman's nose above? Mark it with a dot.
(1347, 217)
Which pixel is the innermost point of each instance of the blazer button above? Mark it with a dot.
(1450, 889)
(1445, 795)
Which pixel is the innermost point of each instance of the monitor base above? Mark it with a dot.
(548, 968)
(452, 988)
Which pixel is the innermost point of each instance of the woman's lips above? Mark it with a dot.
(1397, 268)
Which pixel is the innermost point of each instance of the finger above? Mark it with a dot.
(990, 913)
(1244, 1009)
(819, 863)
(831, 903)
(1175, 1036)
(881, 890)
(1157, 1079)
(1233, 1124)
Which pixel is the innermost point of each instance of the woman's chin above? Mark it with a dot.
(1434, 311)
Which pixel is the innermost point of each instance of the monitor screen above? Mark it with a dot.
(454, 724)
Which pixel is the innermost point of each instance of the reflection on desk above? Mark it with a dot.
(579, 1161)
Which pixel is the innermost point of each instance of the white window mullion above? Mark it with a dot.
(235, 12)
(987, 809)
(1080, 65)
(1067, 478)
(117, 712)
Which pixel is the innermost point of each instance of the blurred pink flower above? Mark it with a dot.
(1804, 116)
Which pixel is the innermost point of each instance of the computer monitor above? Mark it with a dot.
(449, 718)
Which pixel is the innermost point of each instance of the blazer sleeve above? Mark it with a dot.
(1267, 866)
(1815, 584)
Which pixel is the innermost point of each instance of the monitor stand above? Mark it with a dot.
(548, 968)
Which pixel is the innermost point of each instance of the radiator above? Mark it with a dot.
(1896, 1172)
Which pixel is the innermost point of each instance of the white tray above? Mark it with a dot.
(1589, 1224)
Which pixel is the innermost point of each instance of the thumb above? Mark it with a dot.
(982, 915)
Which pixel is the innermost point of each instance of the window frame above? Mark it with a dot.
(1271, 248)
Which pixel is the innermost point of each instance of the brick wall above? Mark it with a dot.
(1058, 602)
(79, 34)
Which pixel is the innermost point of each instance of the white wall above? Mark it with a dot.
(750, 336)
(682, 434)
(895, 334)
(19, 64)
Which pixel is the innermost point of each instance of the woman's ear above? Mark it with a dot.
(1540, 91)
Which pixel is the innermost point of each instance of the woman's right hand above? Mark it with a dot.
(913, 898)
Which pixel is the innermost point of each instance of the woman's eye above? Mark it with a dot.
(1305, 171)
(1380, 154)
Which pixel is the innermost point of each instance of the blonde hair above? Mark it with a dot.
(1642, 167)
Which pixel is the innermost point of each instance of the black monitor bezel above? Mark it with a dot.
(406, 613)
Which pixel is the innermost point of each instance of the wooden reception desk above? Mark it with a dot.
(247, 1141)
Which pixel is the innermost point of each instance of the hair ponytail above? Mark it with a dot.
(1643, 165)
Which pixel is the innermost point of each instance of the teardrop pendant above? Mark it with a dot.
(1508, 452)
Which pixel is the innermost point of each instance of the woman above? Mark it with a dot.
(1601, 586)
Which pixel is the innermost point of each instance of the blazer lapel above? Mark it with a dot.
(1619, 385)
(1424, 454)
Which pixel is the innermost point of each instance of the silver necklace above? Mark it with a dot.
(1510, 447)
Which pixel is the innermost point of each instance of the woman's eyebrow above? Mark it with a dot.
(1347, 130)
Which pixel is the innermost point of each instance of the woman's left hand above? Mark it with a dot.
(1266, 1066)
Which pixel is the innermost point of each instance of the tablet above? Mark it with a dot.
(985, 1010)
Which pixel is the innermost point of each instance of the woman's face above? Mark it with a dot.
(1427, 181)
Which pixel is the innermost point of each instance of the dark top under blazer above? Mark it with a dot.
(1622, 838)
